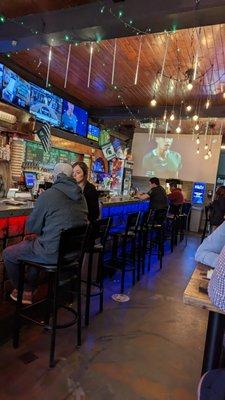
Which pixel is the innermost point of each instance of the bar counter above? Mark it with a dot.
(8, 210)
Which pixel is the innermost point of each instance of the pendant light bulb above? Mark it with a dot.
(207, 104)
(198, 151)
(189, 86)
(164, 115)
(189, 108)
(210, 153)
(178, 129)
(198, 140)
(197, 128)
(206, 146)
(206, 156)
(224, 95)
(195, 117)
(172, 117)
(153, 102)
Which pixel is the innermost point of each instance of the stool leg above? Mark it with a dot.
(79, 307)
(144, 249)
(123, 264)
(17, 321)
(133, 261)
(49, 300)
(114, 249)
(54, 319)
(88, 289)
(101, 297)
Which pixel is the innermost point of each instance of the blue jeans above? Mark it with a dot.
(11, 257)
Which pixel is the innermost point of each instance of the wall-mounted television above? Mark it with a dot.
(74, 119)
(15, 90)
(1, 76)
(93, 132)
(46, 106)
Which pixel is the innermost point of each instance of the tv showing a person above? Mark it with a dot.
(162, 161)
(69, 119)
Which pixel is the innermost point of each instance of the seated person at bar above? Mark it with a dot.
(61, 207)
(80, 174)
(156, 195)
(176, 196)
(217, 208)
(211, 247)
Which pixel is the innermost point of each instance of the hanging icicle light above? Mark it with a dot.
(198, 140)
(188, 108)
(172, 117)
(153, 102)
(195, 117)
(197, 127)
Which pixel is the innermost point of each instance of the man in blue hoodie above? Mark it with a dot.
(61, 207)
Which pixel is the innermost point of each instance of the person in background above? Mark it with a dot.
(217, 208)
(156, 195)
(80, 174)
(208, 252)
(63, 206)
(176, 196)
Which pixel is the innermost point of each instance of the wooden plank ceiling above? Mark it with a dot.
(182, 49)
(18, 8)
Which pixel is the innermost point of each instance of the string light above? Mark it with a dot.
(197, 128)
(206, 147)
(198, 140)
(198, 151)
(210, 153)
(206, 156)
(188, 108)
(172, 117)
(153, 102)
(195, 117)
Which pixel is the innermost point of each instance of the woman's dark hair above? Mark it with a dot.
(83, 166)
(154, 181)
(220, 192)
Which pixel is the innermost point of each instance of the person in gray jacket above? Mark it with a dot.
(61, 207)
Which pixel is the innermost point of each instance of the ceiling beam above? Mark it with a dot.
(140, 113)
(87, 23)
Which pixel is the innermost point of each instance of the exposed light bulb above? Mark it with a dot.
(198, 140)
(164, 115)
(197, 127)
(153, 102)
(206, 146)
(178, 129)
(207, 104)
(189, 86)
(189, 108)
(206, 157)
(210, 153)
(172, 117)
(195, 117)
(198, 151)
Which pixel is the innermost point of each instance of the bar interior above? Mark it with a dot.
(112, 200)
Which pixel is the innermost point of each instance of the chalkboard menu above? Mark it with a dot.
(36, 154)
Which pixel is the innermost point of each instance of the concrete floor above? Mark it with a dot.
(147, 349)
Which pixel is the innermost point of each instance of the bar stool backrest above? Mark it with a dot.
(101, 228)
(157, 217)
(133, 220)
(72, 244)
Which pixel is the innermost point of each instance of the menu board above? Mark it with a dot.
(36, 154)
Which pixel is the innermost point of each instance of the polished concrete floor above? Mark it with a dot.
(147, 349)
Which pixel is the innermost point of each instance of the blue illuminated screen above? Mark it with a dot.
(46, 106)
(1, 75)
(198, 192)
(15, 90)
(74, 118)
(30, 179)
(93, 132)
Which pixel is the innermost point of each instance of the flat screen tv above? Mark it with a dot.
(46, 106)
(15, 90)
(93, 132)
(74, 119)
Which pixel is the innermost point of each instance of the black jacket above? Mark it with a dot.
(91, 196)
(158, 198)
(217, 211)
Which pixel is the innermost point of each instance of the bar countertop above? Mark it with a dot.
(121, 200)
(9, 210)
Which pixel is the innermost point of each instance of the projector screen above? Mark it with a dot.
(174, 157)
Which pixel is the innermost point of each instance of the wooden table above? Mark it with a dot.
(216, 321)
